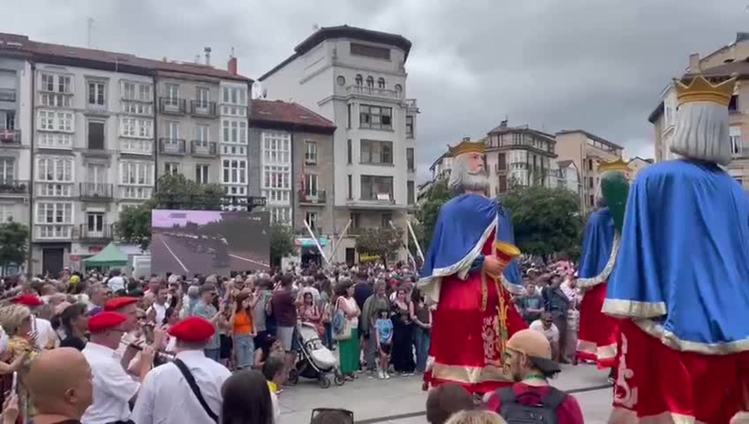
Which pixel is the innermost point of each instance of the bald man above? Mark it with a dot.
(59, 381)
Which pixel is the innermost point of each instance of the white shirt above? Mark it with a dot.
(160, 313)
(113, 387)
(552, 334)
(276, 407)
(45, 334)
(167, 398)
(116, 283)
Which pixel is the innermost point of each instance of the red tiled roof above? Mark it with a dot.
(102, 59)
(277, 112)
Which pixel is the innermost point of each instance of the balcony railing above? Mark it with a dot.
(96, 191)
(10, 138)
(203, 148)
(315, 198)
(203, 108)
(172, 146)
(7, 94)
(83, 233)
(10, 186)
(373, 92)
(52, 189)
(172, 105)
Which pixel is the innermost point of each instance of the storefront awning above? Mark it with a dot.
(310, 242)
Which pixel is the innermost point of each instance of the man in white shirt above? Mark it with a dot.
(166, 397)
(546, 326)
(116, 282)
(114, 388)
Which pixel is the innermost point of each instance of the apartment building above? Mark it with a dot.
(89, 131)
(356, 78)
(725, 62)
(586, 151)
(295, 167)
(637, 164)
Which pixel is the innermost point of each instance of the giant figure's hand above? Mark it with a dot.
(493, 266)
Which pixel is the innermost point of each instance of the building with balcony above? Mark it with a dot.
(727, 61)
(294, 169)
(356, 78)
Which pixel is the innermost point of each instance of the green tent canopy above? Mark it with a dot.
(109, 256)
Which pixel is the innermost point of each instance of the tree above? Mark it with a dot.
(281, 242)
(13, 243)
(381, 242)
(174, 192)
(437, 195)
(545, 220)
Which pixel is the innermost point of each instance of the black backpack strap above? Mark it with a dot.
(506, 397)
(195, 389)
(554, 398)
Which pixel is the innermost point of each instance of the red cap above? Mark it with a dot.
(193, 330)
(104, 321)
(29, 300)
(117, 303)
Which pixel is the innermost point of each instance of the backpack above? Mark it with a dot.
(543, 413)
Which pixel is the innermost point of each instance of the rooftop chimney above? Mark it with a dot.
(466, 138)
(207, 51)
(694, 62)
(232, 65)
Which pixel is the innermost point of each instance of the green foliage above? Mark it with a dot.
(13, 243)
(545, 220)
(174, 192)
(281, 242)
(381, 242)
(428, 211)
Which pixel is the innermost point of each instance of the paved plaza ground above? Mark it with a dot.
(401, 401)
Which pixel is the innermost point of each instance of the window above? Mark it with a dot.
(348, 116)
(385, 220)
(6, 213)
(734, 134)
(7, 119)
(202, 97)
(171, 168)
(95, 223)
(409, 126)
(370, 82)
(96, 174)
(310, 185)
(95, 135)
(136, 91)
(276, 148)
(590, 183)
(136, 173)
(136, 128)
(201, 174)
(311, 218)
(376, 188)
(55, 121)
(501, 162)
(310, 153)
(377, 152)
(359, 80)
(128, 90)
(410, 159)
(280, 215)
(398, 89)
(380, 82)
(54, 83)
(234, 171)
(591, 200)
(502, 183)
(410, 195)
(54, 169)
(172, 130)
(234, 95)
(370, 51)
(355, 218)
(172, 94)
(348, 151)
(7, 170)
(96, 93)
(201, 134)
(54, 213)
(234, 131)
(350, 188)
(375, 117)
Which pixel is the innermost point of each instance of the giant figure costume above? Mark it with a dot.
(681, 280)
(597, 335)
(475, 315)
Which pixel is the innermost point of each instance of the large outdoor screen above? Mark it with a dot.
(189, 242)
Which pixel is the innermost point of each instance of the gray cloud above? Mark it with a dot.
(597, 65)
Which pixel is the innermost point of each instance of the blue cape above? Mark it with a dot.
(598, 242)
(683, 261)
(463, 225)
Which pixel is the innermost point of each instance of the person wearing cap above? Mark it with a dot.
(114, 388)
(528, 359)
(45, 334)
(166, 397)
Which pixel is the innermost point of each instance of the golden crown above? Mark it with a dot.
(616, 165)
(702, 90)
(467, 147)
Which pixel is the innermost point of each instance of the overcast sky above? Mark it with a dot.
(552, 64)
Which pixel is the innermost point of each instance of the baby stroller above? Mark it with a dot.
(315, 361)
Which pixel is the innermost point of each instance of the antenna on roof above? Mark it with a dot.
(89, 32)
(232, 52)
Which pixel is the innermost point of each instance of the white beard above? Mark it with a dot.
(462, 180)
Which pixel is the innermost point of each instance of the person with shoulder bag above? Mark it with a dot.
(345, 329)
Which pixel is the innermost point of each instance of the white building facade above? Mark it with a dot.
(357, 79)
(233, 110)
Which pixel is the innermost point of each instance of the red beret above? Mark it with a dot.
(193, 330)
(29, 300)
(116, 303)
(104, 321)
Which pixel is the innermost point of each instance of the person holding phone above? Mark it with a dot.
(206, 309)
